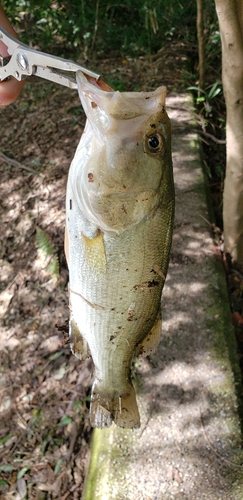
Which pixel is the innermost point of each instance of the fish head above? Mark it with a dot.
(128, 154)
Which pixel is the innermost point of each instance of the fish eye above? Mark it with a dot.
(155, 143)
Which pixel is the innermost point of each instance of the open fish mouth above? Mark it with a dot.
(102, 103)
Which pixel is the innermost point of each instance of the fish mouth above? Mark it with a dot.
(99, 100)
(100, 84)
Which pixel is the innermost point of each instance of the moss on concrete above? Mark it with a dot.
(115, 451)
(107, 465)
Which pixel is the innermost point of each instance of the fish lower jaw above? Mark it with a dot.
(109, 406)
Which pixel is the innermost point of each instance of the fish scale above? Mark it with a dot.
(118, 237)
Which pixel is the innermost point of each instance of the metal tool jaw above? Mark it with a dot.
(24, 61)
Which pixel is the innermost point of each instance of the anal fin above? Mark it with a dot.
(79, 346)
(150, 342)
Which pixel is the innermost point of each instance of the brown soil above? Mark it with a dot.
(44, 432)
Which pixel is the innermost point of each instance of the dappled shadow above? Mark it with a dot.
(187, 388)
(45, 390)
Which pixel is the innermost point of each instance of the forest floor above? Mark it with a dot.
(44, 390)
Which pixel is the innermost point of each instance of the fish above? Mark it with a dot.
(119, 223)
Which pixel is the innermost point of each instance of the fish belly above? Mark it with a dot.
(116, 282)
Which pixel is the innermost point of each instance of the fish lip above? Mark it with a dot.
(114, 103)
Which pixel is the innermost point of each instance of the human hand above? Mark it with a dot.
(11, 88)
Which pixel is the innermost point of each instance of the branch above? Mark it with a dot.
(215, 139)
(15, 163)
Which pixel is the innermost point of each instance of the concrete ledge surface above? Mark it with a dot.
(189, 445)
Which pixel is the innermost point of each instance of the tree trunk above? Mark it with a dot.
(230, 15)
(201, 46)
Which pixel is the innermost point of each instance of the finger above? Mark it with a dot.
(9, 91)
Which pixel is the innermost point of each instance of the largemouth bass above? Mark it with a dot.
(119, 218)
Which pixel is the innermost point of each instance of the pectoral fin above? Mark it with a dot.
(151, 341)
(95, 253)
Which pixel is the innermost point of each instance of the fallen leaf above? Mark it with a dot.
(22, 488)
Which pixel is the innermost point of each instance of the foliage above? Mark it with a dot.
(101, 26)
(206, 97)
(46, 249)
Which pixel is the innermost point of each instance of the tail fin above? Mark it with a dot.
(107, 407)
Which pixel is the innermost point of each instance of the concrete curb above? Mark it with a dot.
(190, 442)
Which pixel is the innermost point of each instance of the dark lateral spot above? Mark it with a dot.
(90, 177)
(127, 269)
(152, 283)
(112, 337)
(70, 204)
(162, 109)
(152, 271)
(124, 187)
(152, 125)
(113, 309)
(147, 97)
(93, 104)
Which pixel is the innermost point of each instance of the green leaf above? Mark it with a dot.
(36, 413)
(3, 483)
(198, 89)
(5, 438)
(58, 441)
(53, 267)
(43, 243)
(22, 472)
(65, 420)
(214, 92)
(58, 466)
(6, 468)
(56, 355)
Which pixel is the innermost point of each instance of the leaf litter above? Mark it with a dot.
(44, 390)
